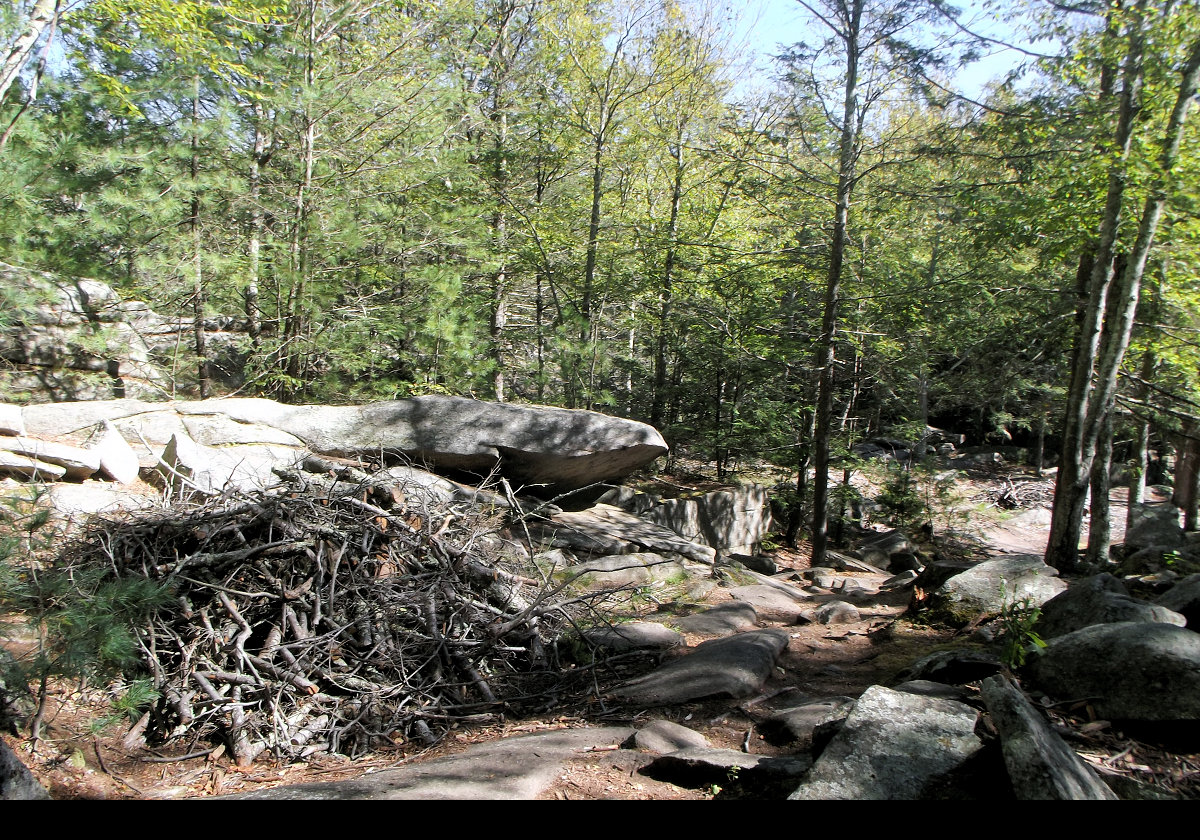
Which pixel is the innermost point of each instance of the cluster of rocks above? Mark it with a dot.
(78, 339)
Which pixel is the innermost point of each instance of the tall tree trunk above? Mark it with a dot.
(202, 379)
(44, 15)
(258, 159)
(1100, 527)
(837, 253)
(666, 290)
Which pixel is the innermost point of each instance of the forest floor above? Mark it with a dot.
(76, 760)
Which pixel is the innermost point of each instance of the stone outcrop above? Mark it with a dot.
(553, 450)
(988, 586)
(1100, 599)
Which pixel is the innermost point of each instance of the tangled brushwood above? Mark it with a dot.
(335, 618)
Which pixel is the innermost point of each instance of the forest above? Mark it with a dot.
(588, 203)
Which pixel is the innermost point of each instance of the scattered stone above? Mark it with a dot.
(1100, 599)
(770, 603)
(798, 723)
(1184, 598)
(838, 612)
(735, 666)
(663, 737)
(721, 620)
(1040, 764)
(636, 635)
(893, 745)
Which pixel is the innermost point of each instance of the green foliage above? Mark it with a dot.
(917, 495)
(84, 620)
(1017, 636)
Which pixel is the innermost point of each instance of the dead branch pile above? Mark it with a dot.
(1015, 495)
(331, 621)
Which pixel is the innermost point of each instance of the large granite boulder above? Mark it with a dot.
(893, 745)
(1100, 599)
(1129, 671)
(548, 449)
(732, 521)
(988, 586)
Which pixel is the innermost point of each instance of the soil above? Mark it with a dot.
(75, 760)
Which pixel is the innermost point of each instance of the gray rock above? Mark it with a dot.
(797, 724)
(837, 612)
(893, 745)
(625, 570)
(636, 635)
(899, 581)
(957, 666)
(698, 766)
(78, 501)
(1040, 764)
(735, 666)
(16, 782)
(1145, 672)
(733, 520)
(603, 529)
(663, 737)
(19, 465)
(756, 562)
(11, 422)
(208, 470)
(78, 463)
(118, 461)
(721, 620)
(1184, 598)
(1100, 599)
(1154, 524)
(929, 688)
(770, 603)
(512, 768)
(988, 586)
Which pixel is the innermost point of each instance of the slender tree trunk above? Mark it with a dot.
(828, 339)
(1071, 483)
(1100, 527)
(666, 291)
(44, 15)
(201, 344)
(258, 159)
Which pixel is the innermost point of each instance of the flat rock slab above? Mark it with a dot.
(771, 603)
(721, 620)
(697, 766)
(636, 635)
(513, 768)
(1040, 764)
(604, 529)
(798, 723)
(619, 570)
(735, 666)
(892, 746)
(663, 737)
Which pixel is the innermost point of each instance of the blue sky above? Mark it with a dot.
(768, 23)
